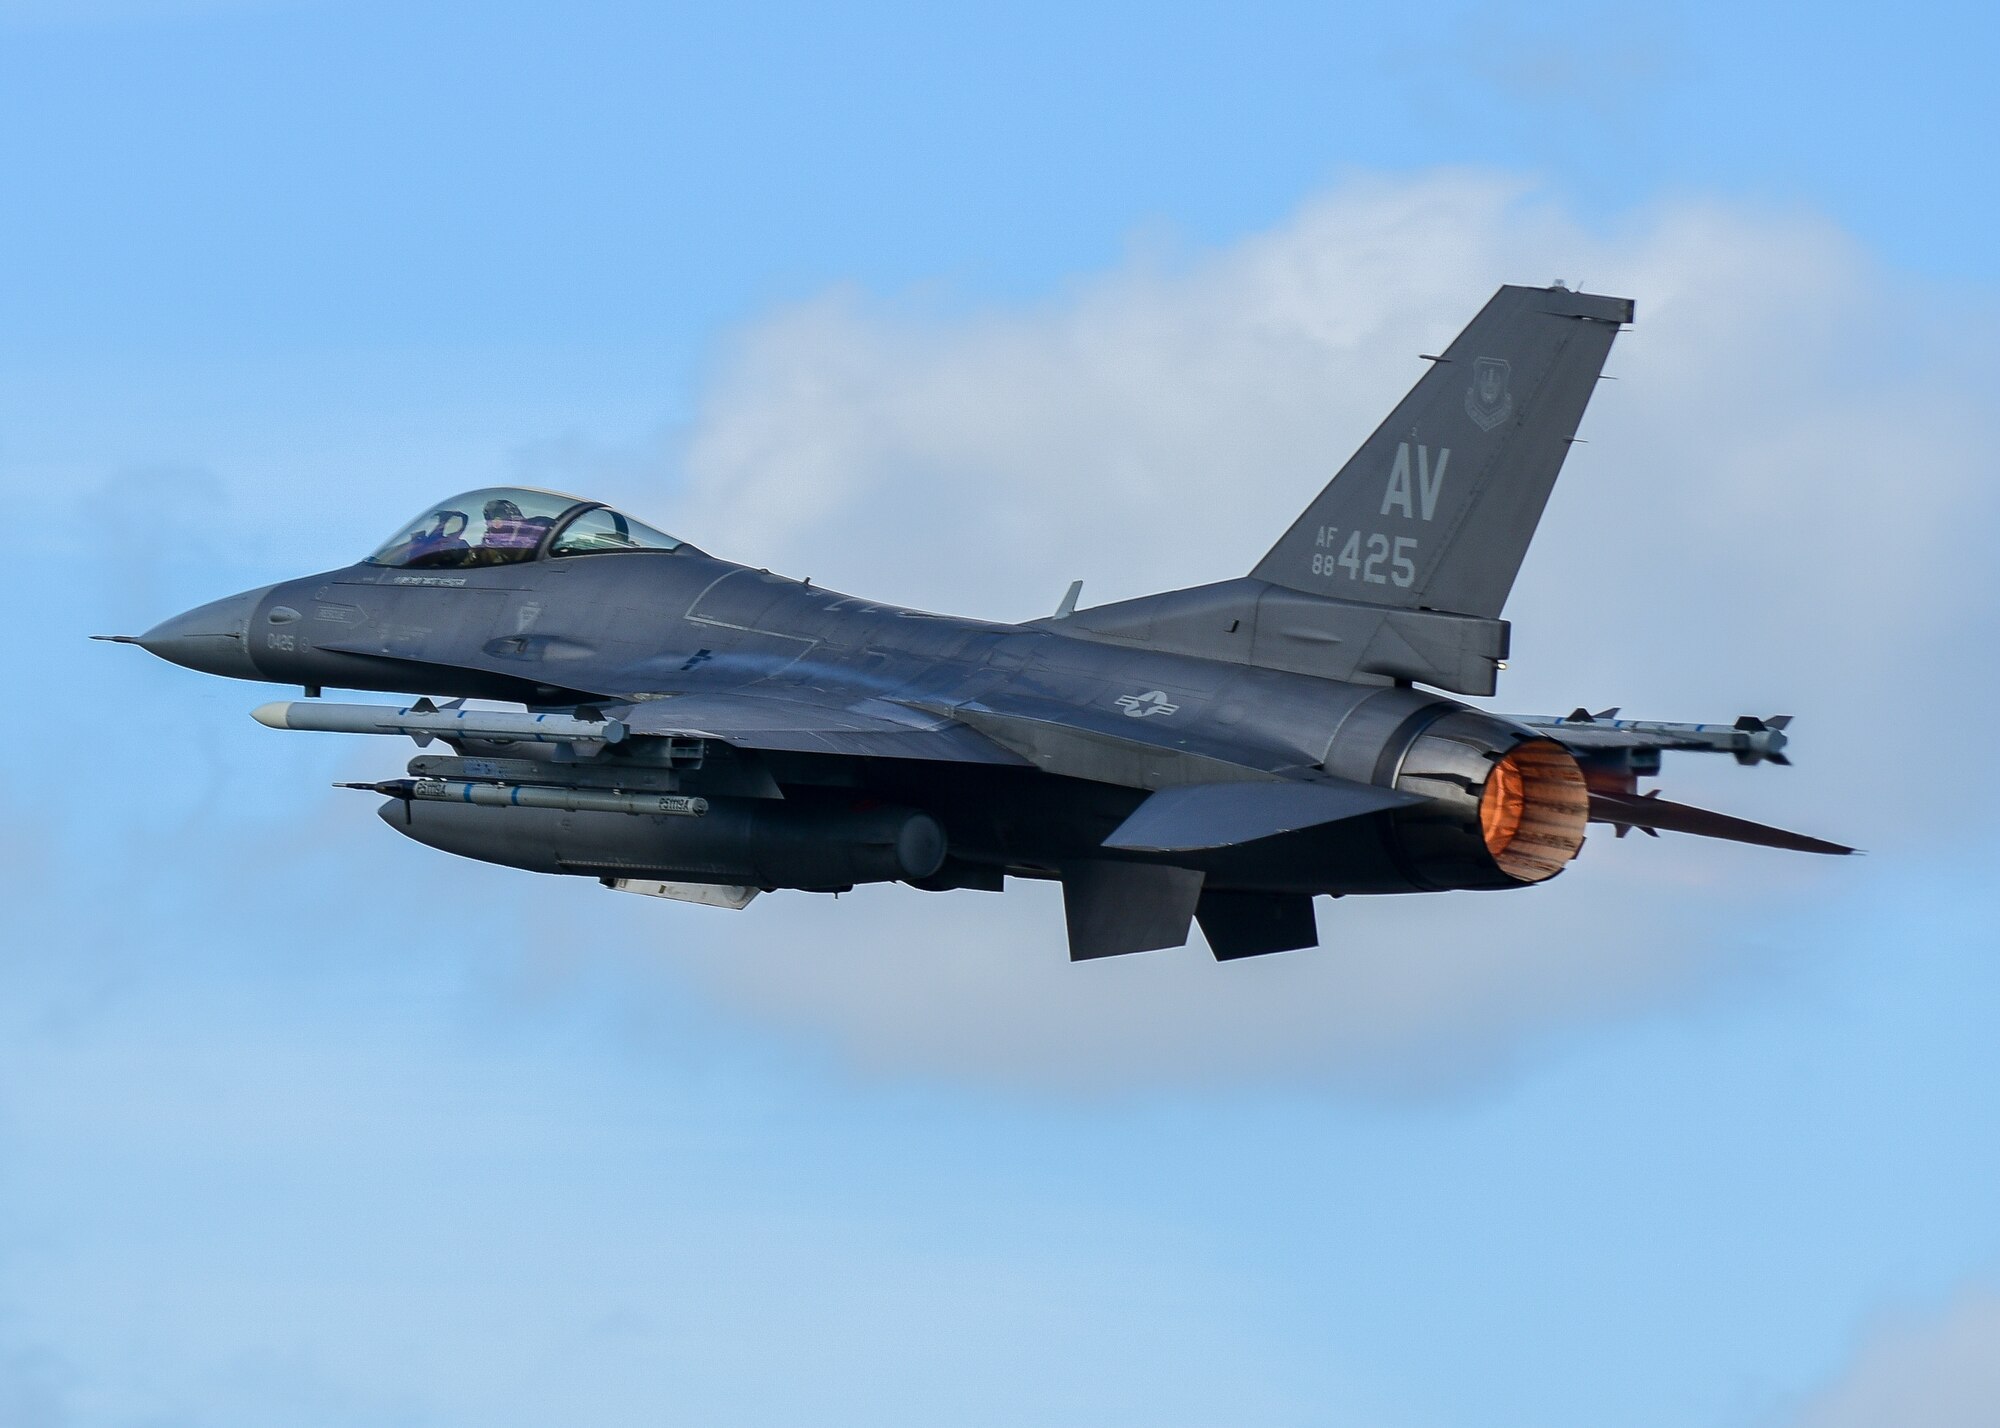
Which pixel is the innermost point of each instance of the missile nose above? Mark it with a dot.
(213, 638)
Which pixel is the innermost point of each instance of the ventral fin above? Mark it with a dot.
(1115, 908)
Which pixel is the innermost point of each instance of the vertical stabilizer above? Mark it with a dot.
(1436, 509)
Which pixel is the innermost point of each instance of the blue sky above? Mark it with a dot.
(300, 1123)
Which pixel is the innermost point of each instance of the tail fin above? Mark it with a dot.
(1436, 509)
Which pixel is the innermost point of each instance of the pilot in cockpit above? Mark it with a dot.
(508, 536)
(504, 525)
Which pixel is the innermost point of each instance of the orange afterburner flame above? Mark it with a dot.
(1533, 810)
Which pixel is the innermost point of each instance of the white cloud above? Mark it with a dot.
(1939, 1371)
(1781, 508)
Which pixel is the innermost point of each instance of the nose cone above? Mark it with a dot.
(213, 638)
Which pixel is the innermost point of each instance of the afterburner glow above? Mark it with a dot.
(1533, 810)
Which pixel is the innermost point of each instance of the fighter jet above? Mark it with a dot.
(697, 729)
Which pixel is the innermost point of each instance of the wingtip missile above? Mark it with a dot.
(1763, 739)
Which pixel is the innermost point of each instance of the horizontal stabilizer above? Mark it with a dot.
(1656, 814)
(1220, 815)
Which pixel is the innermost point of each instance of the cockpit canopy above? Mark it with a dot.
(505, 524)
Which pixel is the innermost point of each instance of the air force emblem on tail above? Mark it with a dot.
(1487, 400)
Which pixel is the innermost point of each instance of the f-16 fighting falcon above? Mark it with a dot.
(695, 729)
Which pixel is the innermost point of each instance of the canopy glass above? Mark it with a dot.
(505, 524)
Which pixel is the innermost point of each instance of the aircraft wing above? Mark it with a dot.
(786, 723)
